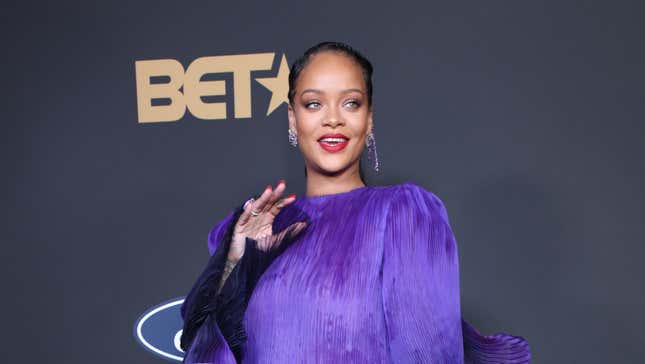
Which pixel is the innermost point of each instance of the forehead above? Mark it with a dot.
(332, 71)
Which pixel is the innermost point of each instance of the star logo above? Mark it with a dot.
(278, 85)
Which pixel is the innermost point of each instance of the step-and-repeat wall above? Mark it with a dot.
(131, 128)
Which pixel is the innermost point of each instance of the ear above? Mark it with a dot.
(292, 118)
(370, 123)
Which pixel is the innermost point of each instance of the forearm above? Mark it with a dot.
(228, 268)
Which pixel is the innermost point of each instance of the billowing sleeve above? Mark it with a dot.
(420, 281)
(219, 230)
(213, 329)
(202, 339)
(421, 297)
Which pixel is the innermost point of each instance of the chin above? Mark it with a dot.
(332, 168)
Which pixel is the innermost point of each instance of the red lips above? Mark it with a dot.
(333, 146)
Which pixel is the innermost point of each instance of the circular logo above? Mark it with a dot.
(159, 329)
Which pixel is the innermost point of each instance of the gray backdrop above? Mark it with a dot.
(525, 118)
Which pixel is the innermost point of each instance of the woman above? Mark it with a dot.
(349, 273)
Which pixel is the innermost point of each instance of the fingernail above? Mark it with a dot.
(281, 181)
(268, 187)
(291, 195)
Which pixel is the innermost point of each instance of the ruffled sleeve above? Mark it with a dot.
(219, 230)
(420, 288)
(493, 349)
(420, 281)
(213, 322)
(202, 339)
(215, 236)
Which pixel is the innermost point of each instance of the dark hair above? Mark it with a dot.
(342, 48)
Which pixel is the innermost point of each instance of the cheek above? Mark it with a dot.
(359, 125)
(306, 124)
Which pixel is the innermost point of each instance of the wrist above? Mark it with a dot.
(233, 258)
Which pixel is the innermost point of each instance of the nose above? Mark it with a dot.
(333, 117)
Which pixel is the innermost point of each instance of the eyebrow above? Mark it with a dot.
(321, 92)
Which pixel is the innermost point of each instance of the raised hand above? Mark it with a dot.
(256, 222)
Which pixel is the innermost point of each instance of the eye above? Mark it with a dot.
(312, 105)
(353, 104)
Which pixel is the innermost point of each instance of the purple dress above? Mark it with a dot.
(374, 278)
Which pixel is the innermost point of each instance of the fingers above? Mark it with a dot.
(268, 202)
(273, 241)
(273, 203)
(281, 204)
(261, 202)
(246, 212)
(290, 231)
(298, 228)
(273, 198)
(276, 203)
(255, 205)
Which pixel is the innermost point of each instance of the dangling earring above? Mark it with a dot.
(293, 138)
(370, 142)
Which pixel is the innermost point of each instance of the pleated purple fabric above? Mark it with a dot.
(373, 279)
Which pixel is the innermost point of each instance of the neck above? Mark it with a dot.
(320, 184)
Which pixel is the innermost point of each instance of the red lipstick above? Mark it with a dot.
(333, 142)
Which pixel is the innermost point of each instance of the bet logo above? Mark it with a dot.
(165, 90)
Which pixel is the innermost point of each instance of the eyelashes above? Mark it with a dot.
(353, 104)
(309, 104)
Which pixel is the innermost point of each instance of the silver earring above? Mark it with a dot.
(293, 138)
(370, 142)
